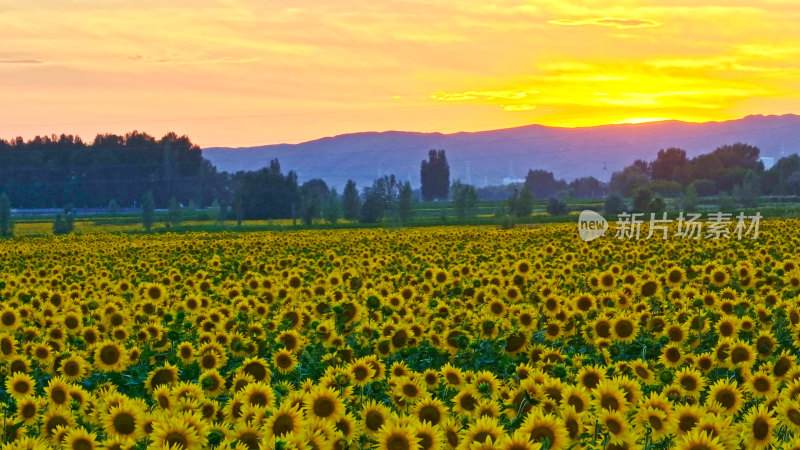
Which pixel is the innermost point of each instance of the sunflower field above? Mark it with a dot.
(462, 338)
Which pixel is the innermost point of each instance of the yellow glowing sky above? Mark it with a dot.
(240, 72)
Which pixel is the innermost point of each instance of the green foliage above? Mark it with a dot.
(656, 205)
(521, 202)
(351, 202)
(404, 211)
(641, 199)
(464, 199)
(689, 200)
(65, 169)
(174, 213)
(557, 207)
(6, 223)
(148, 211)
(267, 194)
(725, 202)
(614, 204)
(435, 176)
(218, 212)
(333, 209)
(64, 223)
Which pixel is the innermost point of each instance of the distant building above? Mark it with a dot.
(768, 161)
(512, 180)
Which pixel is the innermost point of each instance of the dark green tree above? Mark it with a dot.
(6, 224)
(543, 184)
(641, 199)
(333, 208)
(521, 202)
(351, 203)
(557, 207)
(690, 200)
(435, 176)
(614, 204)
(311, 195)
(404, 211)
(464, 199)
(148, 211)
(64, 222)
(174, 213)
(668, 163)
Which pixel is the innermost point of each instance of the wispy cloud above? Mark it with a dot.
(511, 94)
(184, 60)
(620, 23)
(21, 61)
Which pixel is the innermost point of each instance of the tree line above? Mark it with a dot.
(139, 170)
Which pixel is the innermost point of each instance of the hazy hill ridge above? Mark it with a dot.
(487, 157)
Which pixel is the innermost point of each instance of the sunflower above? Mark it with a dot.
(161, 376)
(686, 418)
(28, 409)
(671, 356)
(286, 419)
(9, 319)
(8, 346)
(323, 403)
(695, 440)
(538, 427)
(110, 357)
(675, 277)
(641, 369)
(20, 384)
(248, 435)
(430, 410)
(691, 381)
(760, 384)
(212, 382)
(57, 391)
(73, 368)
(655, 420)
(374, 416)
(789, 414)
(624, 329)
(124, 420)
(757, 427)
(741, 354)
(152, 291)
(258, 394)
(718, 427)
(284, 360)
(480, 431)
(397, 436)
(453, 376)
(466, 401)
(174, 430)
(608, 396)
(616, 424)
(56, 417)
(428, 436)
(590, 376)
(361, 372)
(257, 368)
(80, 439)
(577, 397)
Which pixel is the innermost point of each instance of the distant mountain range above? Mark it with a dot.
(498, 156)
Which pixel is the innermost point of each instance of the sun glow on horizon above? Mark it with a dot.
(635, 120)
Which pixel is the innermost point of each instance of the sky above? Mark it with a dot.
(244, 73)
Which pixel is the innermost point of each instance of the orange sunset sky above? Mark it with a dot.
(239, 73)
